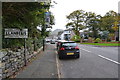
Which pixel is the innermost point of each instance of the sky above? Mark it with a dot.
(65, 7)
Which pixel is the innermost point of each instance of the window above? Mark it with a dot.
(69, 44)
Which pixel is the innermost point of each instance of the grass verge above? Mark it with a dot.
(103, 44)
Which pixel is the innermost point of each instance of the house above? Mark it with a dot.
(66, 34)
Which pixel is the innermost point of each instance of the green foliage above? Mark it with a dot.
(97, 40)
(80, 19)
(76, 18)
(29, 42)
(104, 34)
(52, 20)
(103, 44)
(13, 43)
(24, 15)
(92, 22)
(106, 23)
(76, 38)
(90, 39)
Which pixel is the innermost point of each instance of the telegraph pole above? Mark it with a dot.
(46, 21)
(43, 33)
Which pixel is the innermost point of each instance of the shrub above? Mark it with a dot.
(90, 39)
(76, 38)
(97, 40)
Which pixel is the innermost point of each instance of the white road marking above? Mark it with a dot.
(104, 57)
(108, 59)
(57, 66)
(85, 50)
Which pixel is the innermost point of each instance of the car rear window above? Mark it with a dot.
(69, 44)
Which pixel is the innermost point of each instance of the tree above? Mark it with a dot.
(95, 24)
(92, 23)
(104, 35)
(109, 22)
(24, 15)
(76, 20)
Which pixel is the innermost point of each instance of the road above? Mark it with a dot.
(95, 62)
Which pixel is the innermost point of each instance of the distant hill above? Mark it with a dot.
(55, 32)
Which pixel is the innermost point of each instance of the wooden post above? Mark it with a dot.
(43, 44)
(25, 52)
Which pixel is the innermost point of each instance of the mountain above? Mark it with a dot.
(55, 32)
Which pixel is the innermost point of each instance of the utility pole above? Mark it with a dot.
(46, 20)
(43, 33)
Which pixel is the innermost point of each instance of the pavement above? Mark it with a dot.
(43, 67)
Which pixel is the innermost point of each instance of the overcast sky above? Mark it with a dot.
(65, 7)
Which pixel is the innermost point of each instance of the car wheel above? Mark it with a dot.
(78, 56)
(60, 57)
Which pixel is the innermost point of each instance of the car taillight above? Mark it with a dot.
(76, 47)
(58, 43)
(62, 48)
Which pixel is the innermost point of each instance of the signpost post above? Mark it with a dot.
(17, 33)
(45, 25)
(25, 51)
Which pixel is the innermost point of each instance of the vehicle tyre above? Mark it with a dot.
(60, 57)
(78, 56)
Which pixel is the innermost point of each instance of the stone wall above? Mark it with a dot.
(12, 61)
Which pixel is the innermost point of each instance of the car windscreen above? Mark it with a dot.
(69, 44)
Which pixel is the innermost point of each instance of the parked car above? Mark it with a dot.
(58, 43)
(52, 41)
(68, 48)
(47, 40)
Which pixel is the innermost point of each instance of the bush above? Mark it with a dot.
(76, 38)
(108, 40)
(90, 39)
(97, 40)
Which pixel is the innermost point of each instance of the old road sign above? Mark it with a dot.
(16, 33)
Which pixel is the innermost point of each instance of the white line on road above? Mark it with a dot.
(86, 50)
(104, 57)
(108, 59)
(57, 66)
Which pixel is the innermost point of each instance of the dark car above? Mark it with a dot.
(58, 43)
(52, 41)
(47, 40)
(68, 48)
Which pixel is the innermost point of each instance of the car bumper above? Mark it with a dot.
(68, 55)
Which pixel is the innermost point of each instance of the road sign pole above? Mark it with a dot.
(43, 44)
(25, 52)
